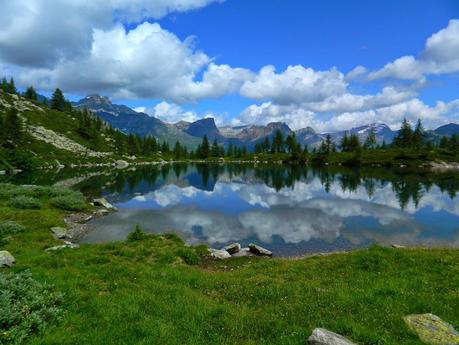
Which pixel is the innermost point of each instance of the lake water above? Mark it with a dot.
(289, 210)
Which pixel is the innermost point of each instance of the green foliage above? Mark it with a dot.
(27, 307)
(71, 202)
(137, 235)
(8, 87)
(8, 227)
(25, 202)
(30, 93)
(189, 255)
(58, 101)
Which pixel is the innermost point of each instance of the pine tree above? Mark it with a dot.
(370, 141)
(31, 93)
(278, 143)
(205, 148)
(58, 101)
(214, 149)
(13, 127)
(405, 135)
(418, 136)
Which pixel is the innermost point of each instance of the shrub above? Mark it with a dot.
(189, 256)
(137, 234)
(74, 201)
(25, 202)
(9, 227)
(26, 307)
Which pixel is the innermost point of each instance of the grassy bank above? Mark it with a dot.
(157, 290)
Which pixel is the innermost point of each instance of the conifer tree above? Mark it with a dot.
(31, 93)
(58, 101)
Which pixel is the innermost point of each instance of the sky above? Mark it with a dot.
(331, 65)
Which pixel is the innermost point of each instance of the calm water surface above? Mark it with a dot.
(290, 210)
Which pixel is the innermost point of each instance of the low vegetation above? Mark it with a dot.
(157, 290)
(27, 306)
(25, 202)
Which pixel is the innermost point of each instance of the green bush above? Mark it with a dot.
(25, 202)
(74, 201)
(26, 307)
(9, 227)
(137, 234)
(189, 256)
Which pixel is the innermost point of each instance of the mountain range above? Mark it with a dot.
(191, 133)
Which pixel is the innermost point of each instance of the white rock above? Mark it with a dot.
(259, 250)
(120, 164)
(104, 203)
(321, 336)
(59, 233)
(219, 254)
(6, 259)
(233, 248)
(243, 252)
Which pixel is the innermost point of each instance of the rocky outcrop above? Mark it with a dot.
(6, 259)
(104, 203)
(66, 245)
(219, 254)
(62, 142)
(243, 252)
(432, 330)
(59, 233)
(322, 336)
(257, 250)
(233, 248)
(442, 166)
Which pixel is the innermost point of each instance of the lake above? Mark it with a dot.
(290, 210)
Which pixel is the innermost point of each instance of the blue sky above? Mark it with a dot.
(246, 61)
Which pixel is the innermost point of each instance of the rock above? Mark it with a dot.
(322, 336)
(432, 330)
(233, 248)
(104, 203)
(120, 164)
(6, 259)
(219, 254)
(259, 250)
(66, 244)
(59, 233)
(243, 252)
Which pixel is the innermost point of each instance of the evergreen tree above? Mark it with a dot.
(13, 127)
(204, 148)
(370, 141)
(405, 135)
(418, 137)
(58, 101)
(278, 143)
(31, 93)
(214, 151)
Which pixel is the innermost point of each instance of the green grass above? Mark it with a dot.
(157, 290)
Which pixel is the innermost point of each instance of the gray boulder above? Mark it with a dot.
(243, 252)
(257, 250)
(6, 259)
(120, 164)
(322, 336)
(104, 203)
(66, 245)
(233, 248)
(432, 330)
(59, 233)
(219, 254)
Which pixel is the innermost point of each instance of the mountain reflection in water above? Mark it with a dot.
(290, 210)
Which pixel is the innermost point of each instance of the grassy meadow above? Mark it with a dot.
(157, 290)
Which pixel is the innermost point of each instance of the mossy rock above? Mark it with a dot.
(432, 330)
